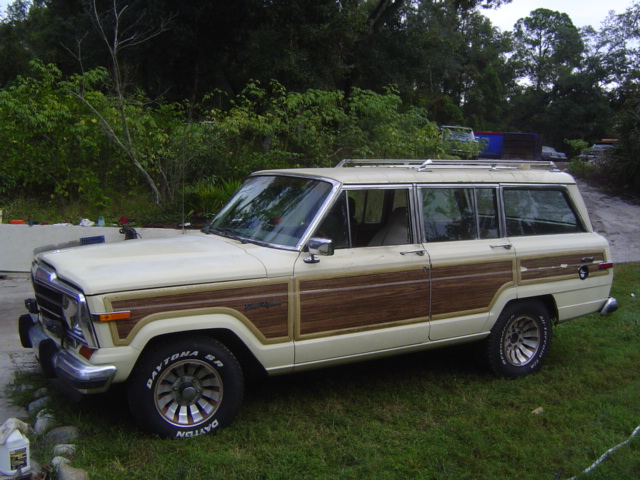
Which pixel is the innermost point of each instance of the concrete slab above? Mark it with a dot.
(14, 288)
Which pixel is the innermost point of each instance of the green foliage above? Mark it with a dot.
(321, 91)
(576, 146)
(64, 137)
(56, 145)
(43, 134)
(272, 127)
(207, 196)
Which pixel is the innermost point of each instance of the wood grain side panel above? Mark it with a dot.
(557, 266)
(459, 288)
(266, 307)
(363, 301)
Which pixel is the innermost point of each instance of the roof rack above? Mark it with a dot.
(435, 164)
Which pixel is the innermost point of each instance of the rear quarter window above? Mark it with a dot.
(539, 211)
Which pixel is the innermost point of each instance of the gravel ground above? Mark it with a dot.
(616, 219)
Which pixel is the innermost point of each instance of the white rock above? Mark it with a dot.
(57, 461)
(44, 423)
(38, 404)
(67, 472)
(64, 450)
(41, 392)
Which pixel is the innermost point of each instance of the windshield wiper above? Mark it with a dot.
(225, 232)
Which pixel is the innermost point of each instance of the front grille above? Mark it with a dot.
(50, 307)
(49, 303)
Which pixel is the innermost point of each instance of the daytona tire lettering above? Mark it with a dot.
(185, 387)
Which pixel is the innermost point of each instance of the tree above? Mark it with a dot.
(118, 36)
(14, 56)
(547, 46)
(452, 61)
(625, 163)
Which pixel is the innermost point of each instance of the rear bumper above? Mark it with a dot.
(74, 372)
(610, 306)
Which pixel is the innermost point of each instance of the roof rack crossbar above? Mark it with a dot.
(379, 162)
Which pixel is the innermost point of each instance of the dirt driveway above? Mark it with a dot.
(615, 219)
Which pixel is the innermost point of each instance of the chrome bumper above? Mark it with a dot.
(61, 364)
(610, 306)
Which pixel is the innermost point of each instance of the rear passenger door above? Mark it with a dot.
(471, 262)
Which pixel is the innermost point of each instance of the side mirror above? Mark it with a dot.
(319, 246)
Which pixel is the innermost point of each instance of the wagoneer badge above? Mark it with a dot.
(253, 306)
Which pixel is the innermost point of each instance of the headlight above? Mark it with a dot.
(76, 315)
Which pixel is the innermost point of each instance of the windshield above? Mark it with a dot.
(273, 210)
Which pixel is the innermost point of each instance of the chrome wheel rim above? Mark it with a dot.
(521, 341)
(188, 393)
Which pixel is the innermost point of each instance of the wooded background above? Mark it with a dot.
(100, 95)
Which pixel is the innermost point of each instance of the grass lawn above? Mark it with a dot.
(434, 415)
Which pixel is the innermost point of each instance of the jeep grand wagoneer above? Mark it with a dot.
(312, 267)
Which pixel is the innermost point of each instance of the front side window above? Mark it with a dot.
(539, 211)
(459, 213)
(271, 210)
(368, 218)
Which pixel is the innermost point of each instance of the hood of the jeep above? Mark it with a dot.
(155, 263)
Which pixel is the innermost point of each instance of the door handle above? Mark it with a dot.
(508, 246)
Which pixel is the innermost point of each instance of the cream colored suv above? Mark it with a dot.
(306, 268)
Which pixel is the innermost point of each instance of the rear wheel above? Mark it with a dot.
(186, 387)
(520, 339)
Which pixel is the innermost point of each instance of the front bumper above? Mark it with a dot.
(72, 371)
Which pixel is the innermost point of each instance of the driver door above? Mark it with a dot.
(372, 294)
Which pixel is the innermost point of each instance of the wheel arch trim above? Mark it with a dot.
(238, 336)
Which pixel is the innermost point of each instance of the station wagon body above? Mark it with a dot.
(306, 268)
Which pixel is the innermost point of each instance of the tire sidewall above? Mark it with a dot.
(144, 381)
(496, 345)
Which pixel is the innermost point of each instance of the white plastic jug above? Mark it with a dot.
(14, 454)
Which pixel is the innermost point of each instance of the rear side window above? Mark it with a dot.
(459, 213)
(539, 211)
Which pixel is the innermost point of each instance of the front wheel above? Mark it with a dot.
(185, 388)
(520, 339)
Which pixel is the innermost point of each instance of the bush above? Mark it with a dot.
(64, 139)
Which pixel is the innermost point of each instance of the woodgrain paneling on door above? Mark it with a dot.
(363, 301)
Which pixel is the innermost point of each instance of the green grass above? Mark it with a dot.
(435, 415)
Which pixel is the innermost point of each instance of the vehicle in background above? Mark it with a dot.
(550, 154)
(510, 146)
(462, 140)
(599, 150)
